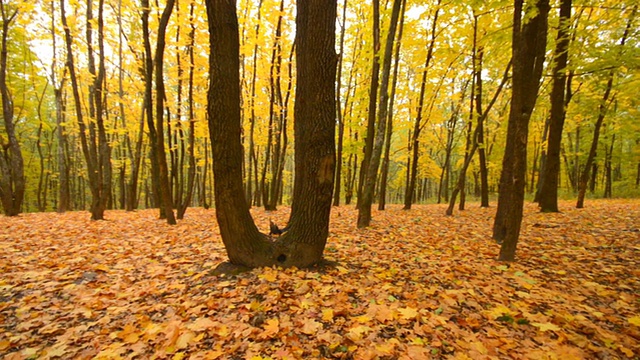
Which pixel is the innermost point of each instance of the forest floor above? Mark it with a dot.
(416, 285)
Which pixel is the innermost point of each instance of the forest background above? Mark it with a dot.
(449, 60)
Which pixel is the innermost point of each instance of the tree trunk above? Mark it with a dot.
(12, 180)
(64, 196)
(165, 188)
(602, 111)
(314, 114)
(384, 172)
(340, 118)
(607, 169)
(412, 171)
(468, 157)
(191, 173)
(364, 211)
(528, 45)
(550, 171)
(373, 101)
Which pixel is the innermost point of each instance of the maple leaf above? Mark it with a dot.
(201, 324)
(271, 328)
(310, 326)
(408, 313)
(546, 326)
(357, 333)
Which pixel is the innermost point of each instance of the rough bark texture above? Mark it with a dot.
(314, 115)
(548, 198)
(529, 45)
(12, 180)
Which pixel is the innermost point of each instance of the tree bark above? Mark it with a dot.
(314, 115)
(528, 45)
(165, 188)
(12, 179)
(412, 170)
(384, 172)
(191, 173)
(373, 103)
(550, 171)
(364, 211)
(340, 118)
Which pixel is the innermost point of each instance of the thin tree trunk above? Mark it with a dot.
(384, 172)
(607, 169)
(191, 174)
(550, 169)
(64, 196)
(602, 111)
(165, 189)
(364, 211)
(340, 118)
(417, 127)
(528, 46)
(468, 157)
(373, 102)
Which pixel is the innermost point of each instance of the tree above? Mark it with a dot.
(364, 210)
(163, 171)
(548, 198)
(12, 180)
(529, 42)
(418, 124)
(95, 148)
(602, 112)
(314, 116)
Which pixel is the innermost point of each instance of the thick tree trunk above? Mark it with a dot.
(314, 113)
(529, 45)
(550, 171)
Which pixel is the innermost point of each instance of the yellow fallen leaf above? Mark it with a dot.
(327, 315)
(311, 326)
(635, 320)
(358, 332)
(201, 324)
(408, 313)
(271, 328)
(546, 326)
(626, 351)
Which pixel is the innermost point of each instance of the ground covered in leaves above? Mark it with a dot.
(416, 285)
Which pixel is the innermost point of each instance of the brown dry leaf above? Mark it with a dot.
(417, 284)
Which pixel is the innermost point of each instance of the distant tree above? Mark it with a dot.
(314, 114)
(12, 180)
(589, 167)
(529, 43)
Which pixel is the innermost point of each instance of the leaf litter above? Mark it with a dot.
(416, 284)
